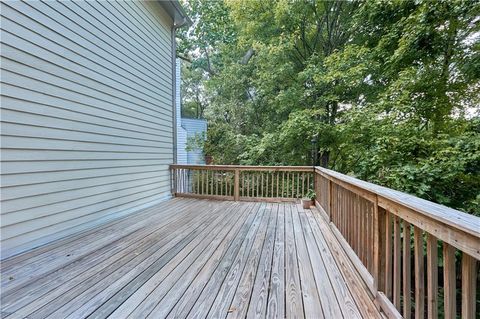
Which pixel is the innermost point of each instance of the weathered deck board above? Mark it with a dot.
(191, 258)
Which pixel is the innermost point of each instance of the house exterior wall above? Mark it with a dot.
(87, 115)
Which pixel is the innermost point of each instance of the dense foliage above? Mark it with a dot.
(387, 91)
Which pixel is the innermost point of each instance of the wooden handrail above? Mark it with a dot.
(444, 214)
(244, 168)
(377, 225)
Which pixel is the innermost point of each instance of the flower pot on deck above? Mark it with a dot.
(306, 203)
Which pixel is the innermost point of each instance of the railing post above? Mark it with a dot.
(236, 185)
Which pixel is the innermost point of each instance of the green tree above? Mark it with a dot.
(389, 89)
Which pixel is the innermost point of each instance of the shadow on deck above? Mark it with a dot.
(192, 258)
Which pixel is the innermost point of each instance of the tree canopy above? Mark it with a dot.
(387, 91)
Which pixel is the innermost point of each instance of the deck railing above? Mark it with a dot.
(234, 182)
(397, 242)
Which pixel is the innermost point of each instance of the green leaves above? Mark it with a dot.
(389, 89)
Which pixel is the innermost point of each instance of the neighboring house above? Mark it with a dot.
(194, 127)
(187, 128)
(88, 116)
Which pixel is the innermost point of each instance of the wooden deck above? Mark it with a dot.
(192, 258)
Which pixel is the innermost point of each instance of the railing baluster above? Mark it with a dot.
(252, 179)
(365, 243)
(308, 181)
(379, 246)
(419, 273)
(250, 184)
(298, 184)
(257, 184)
(293, 185)
(278, 175)
(271, 191)
(227, 183)
(407, 277)
(354, 225)
(221, 182)
(265, 189)
(261, 185)
(361, 230)
(197, 190)
(469, 280)
(203, 183)
(432, 276)
(247, 177)
(211, 183)
(178, 181)
(242, 177)
(396, 262)
(388, 256)
(182, 181)
(449, 281)
(185, 181)
(303, 184)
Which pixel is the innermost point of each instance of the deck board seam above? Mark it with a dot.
(254, 228)
(13, 260)
(260, 253)
(196, 258)
(255, 208)
(246, 256)
(244, 215)
(46, 275)
(183, 242)
(117, 269)
(244, 226)
(62, 251)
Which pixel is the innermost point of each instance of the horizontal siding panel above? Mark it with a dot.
(58, 79)
(43, 235)
(58, 110)
(55, 213)
(23, 130)
(148, 26)
(49, 155)
(86, 40)
(69, 96)
(71, 68)
(59, 166)
(35, 41)
(105, 36)
(75, 145)
(36, 121)
(41, 205)
(110, 26)
(80, 177)
(55, 38)
(95, 204)
(86, 118)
